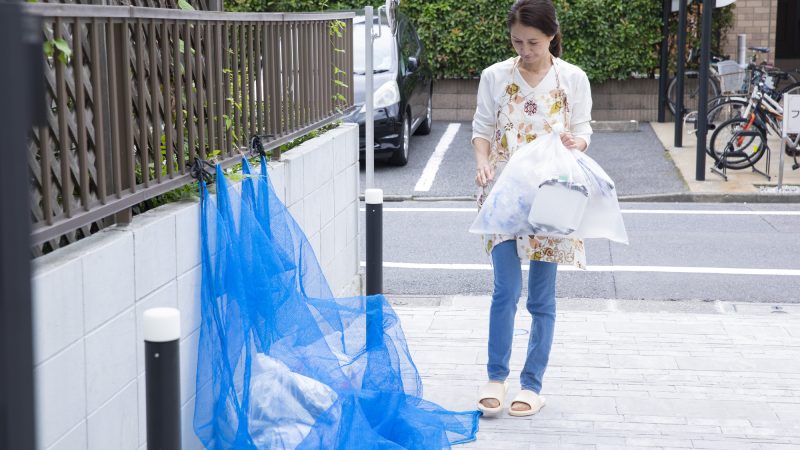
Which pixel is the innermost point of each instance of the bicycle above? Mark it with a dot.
(740, 142)
(725, 77)
(729, 106)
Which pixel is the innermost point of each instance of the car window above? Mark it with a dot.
(383, 55)
(409, 44)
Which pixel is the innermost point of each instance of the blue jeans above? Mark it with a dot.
(541, 304)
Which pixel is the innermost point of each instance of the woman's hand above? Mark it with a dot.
(484, 174)
(572, 142)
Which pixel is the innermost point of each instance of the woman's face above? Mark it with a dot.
(530, 43)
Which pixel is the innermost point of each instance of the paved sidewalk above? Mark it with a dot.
(739, 181)
(625, 374)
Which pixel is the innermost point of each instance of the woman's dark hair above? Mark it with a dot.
(539, 14)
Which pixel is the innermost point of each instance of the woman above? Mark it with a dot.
(519, 99)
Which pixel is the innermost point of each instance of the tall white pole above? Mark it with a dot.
(369, 138)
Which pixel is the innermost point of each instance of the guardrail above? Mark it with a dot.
(135, 94)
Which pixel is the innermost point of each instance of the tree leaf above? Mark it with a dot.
(184, 5)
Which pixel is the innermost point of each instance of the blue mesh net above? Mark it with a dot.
(282, 364)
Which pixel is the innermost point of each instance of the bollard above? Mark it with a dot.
(741, 49)
(162, 332)
(374, 200)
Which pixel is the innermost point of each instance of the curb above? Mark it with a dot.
(615, 126)
(697, 197)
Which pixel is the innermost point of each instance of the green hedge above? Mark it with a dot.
(609, 39)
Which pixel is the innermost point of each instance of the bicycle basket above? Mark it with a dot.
(731, 76)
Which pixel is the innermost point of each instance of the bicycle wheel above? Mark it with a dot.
(691, 91)
(720, 111)
(738, 144)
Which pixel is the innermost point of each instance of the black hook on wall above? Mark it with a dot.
(257, 145)
(202, 170)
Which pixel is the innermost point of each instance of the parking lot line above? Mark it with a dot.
(432, 167)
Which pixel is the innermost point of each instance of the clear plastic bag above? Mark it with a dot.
(548, 190)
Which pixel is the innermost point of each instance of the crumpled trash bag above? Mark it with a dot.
(579, 199)
(286, 404)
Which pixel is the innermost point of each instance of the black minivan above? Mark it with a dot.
(402, 88)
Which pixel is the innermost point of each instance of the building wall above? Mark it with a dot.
(756, 19)
(88, 298)
(635, 99)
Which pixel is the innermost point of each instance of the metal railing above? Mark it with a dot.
(202, 5)
(148, 90)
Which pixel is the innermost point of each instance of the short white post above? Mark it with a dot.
(162, 333)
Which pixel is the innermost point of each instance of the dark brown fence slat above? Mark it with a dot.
(219, 81)
(274, 84)
(226, 76)
(294, 82)
(64, 143)
(251, 79)
(285, 92)
(99, 112)
(188, 46)
(46, 184)
(199, 86)
(179, 117)
(142, 104)
(127, 152)
(242, 75)
(114, 107)
(349, 64)
(235, 75)
(318, 40)
(155, 120)
(259, 76)
(211, 85)
(328, 87)
(80, 112)
(167, 96)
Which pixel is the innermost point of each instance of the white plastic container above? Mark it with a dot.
(558, 207)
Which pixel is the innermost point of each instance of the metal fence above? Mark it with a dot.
(202, 5)
(145, 91)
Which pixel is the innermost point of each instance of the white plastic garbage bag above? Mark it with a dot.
(280, 396)
(549, 190)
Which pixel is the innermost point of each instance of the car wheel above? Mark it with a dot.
(400, 156)
(425, 126)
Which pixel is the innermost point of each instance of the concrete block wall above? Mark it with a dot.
(89, 297)
(635, 99)
(758, 20)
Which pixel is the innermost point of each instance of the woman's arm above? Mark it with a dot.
(581, 128)
(484, 170)
(483, 125)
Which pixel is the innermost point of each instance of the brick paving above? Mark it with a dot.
(625, 374)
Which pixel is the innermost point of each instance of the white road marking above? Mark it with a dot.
(432, 167)
(624, 211)
(650, 269)
(701, 212)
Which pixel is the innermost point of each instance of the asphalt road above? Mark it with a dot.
(636, 161)
(728, 252)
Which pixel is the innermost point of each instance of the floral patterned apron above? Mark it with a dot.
(523, 113)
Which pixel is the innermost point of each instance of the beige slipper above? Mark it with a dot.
(530, 398)
(491, 390)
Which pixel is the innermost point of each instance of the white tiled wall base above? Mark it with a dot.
(89, 298)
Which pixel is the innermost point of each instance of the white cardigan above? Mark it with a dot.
(573, 80)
